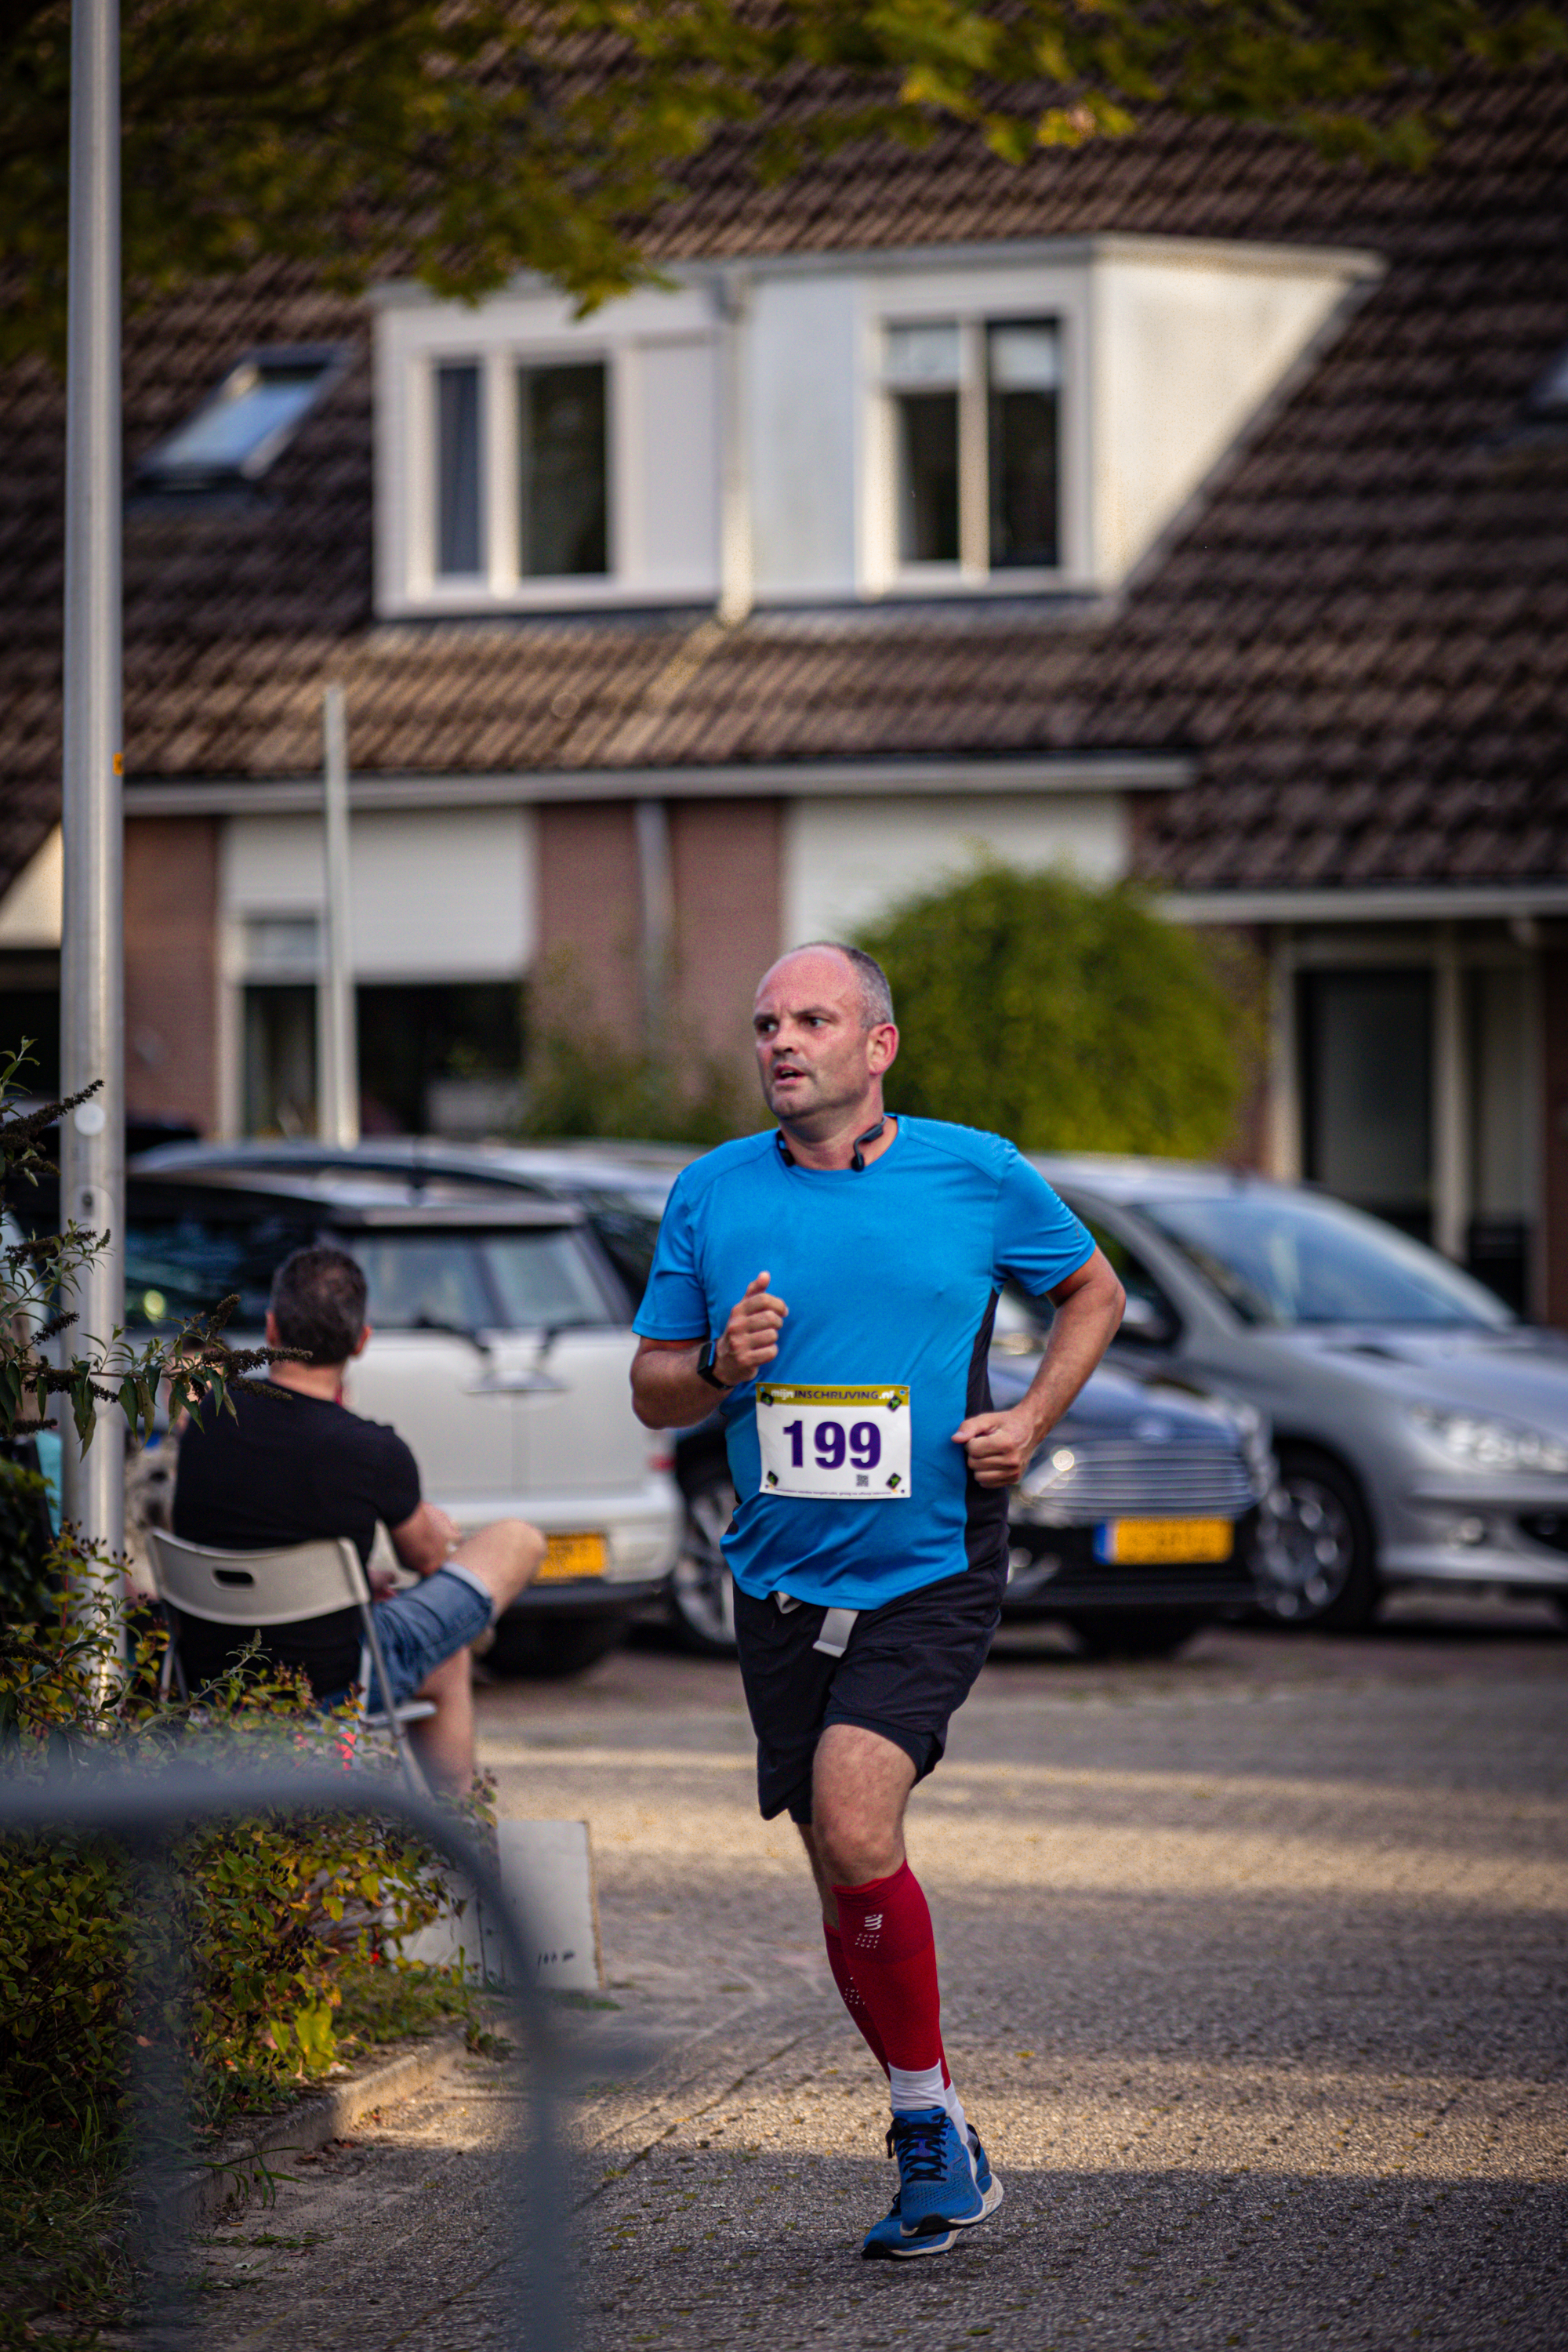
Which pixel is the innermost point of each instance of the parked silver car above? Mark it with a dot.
(1421, 1429)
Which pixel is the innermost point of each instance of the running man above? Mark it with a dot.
(836, 1282)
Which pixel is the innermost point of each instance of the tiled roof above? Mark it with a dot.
(1359, 631)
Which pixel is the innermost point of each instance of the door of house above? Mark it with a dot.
(1366, 1066)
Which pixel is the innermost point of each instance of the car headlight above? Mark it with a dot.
(1484, 1443)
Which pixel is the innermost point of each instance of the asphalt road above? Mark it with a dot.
(1254, 1968)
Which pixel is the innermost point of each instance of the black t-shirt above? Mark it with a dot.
(287, 1469)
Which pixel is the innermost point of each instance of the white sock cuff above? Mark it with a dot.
(913, 2087)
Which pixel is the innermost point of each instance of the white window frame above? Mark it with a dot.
(972, 299)
(416, 335)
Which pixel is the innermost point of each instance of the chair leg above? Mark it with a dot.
(406, 1755)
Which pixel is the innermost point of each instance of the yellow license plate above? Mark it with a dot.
(568, 1557)
(1141, 1542)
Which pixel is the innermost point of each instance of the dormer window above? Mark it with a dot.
(1017, 419)
(558, 461)
(975, 443)
(562, 479)
(460, 470)
(243, 426)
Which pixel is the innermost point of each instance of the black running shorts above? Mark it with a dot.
(908, 1666)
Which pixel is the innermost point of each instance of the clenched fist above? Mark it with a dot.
(999, 1446)
(750, 1337)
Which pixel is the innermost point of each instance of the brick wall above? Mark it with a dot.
(725, 859)
(170, 968)
(590, 914)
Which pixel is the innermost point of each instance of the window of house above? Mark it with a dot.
(247, 423)
(1022, 379)
(975, 442)
(557, 450)
(562, 472)
(925, 369)
(459, 427)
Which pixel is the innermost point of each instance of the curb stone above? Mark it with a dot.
(326, 2114)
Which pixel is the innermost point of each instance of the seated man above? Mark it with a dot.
(296, 1467)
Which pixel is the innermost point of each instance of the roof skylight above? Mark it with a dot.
(236, 434)
(1549, 397)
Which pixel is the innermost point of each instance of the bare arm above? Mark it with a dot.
(669, 1393)
(1089, 1307)
(424, 1541)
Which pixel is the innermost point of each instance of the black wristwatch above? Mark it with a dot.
(705, 1370)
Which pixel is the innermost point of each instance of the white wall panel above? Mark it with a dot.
(447, 895)
(678, 417)
(804, 368)
(845, 859)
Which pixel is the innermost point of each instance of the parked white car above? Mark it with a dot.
(500, 1352)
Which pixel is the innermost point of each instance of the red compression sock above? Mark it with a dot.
(888, 1950)
(850, 1994)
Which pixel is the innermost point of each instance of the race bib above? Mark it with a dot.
(834, 1446)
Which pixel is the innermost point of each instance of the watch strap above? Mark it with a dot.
(705, 1368)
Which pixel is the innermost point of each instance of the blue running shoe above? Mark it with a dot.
(985, 2180)
(936, 2177)
(884, 2240)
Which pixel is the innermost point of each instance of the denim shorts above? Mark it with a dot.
(422, 1628)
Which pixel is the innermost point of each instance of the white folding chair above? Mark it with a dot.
(246, 1589)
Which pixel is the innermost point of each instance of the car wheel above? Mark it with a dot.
(1135, 1632)
(702, 1597)
(530, 1643)
(1323, 1571)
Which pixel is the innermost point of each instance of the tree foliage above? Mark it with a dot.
(463, 140)
(1069, 1018)
(38, 1274)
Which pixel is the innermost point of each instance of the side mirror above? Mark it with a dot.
(1146, 1322)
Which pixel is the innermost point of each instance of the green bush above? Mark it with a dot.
(281, 1920)
(1068, 1018)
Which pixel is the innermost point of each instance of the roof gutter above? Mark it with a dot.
(1434, 902)
(793, 780)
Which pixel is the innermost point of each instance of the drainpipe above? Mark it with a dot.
(733, 296)
(656, 888)
(337, 1048)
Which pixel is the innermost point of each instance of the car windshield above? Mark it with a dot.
(181, 1265)
(1288, 1258)
(513, 1281)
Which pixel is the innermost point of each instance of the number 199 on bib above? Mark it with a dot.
(834, 1444)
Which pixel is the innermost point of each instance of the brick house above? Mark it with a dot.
(1182, 507)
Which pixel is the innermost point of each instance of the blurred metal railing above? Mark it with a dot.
(144, 1812)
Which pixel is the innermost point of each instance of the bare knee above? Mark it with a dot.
(860, 1784)
(450, 1679)
(853, 1851)
(506, 1556)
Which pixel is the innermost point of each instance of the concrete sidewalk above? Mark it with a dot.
(1255, 1991)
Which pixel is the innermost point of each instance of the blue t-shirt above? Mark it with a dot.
(890, 1275)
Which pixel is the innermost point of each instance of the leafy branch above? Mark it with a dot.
(37, 1272)
(461, 140)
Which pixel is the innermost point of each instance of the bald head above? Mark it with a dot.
(825, 1036)
(869, 978)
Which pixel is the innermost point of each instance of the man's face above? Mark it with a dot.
(814, 1058)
